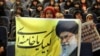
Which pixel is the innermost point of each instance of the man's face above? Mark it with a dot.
(65, 36)
(68, 42)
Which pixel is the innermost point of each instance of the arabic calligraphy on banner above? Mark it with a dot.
(35, 37)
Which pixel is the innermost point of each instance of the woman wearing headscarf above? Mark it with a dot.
(49, 12)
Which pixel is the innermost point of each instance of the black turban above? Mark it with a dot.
(68, 26)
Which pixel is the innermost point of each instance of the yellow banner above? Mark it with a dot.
(36, 37)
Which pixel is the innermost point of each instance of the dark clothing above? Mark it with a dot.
(1, 22)
(97, 12)
(2, 45)
(35, 13)
(3, 40)
(74, 53)
(73, 9)
(68, 6)
(2, 11)
(94, 10)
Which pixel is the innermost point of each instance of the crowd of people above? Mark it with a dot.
(85, 10)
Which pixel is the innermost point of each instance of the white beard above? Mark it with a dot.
(69, 47)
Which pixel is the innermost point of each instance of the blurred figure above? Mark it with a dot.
(49, 3)
(77, 6)
(1, 22)
(98, 11)
(61, 2)
(52, 3)
(17, 4)
(25, 3)
(97, 1)
(2, 8)
(8, 4)
(84, 5)
(33, 6)
(68, 4)
(95, 8)
(49, 12)
(59, 15)
(46, 2)
(36, 13)
(89, 17)
(19, 12)
(12, 1)
(42, 14)
(57, 7)
(2, 49)
(78, 15)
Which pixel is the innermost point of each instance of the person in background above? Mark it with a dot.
(76, 6)
(59, 15)
(45, 1)
(12, 1)
(33, 6)
(57, 7)
(67, 31)
(49, 3)
(89, 17)
(2, 50)
(97, 1)
(8, 4)
(19, 12)
(16, 4)
(36, 13)
(25, 3)
(78, 15)
(2, 8)
(52, 3)
(42, 14)
(95, 8)
(61, 2)
(67, 5)
(84, 5)
(49, 12)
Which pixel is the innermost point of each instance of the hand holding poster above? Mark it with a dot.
(38, 37)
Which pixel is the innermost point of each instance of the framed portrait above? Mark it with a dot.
(47, 37)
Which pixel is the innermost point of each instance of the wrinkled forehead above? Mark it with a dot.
(65, 33)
